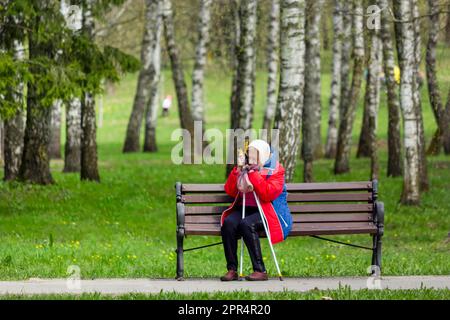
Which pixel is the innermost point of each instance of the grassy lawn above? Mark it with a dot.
(125, 226)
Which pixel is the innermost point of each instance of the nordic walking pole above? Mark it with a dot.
(242, 238)
(266, 228)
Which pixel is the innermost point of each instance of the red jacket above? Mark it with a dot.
(270, 188)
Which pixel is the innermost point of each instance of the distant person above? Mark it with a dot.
(167, 103)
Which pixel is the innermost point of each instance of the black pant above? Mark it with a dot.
(234, 227)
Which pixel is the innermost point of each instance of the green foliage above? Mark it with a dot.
(60, 63)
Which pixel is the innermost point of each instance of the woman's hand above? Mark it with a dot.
(252, 167)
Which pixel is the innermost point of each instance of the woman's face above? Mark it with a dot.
(253, 156)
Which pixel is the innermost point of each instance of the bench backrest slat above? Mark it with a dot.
(291, 187)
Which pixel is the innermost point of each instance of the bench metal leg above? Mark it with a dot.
(180, 256)
(376, 254)
(377, 238)
(180, 233)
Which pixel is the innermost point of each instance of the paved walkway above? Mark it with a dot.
(122, 286)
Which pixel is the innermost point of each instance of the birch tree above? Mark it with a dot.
(184, 110)
(198, 103)
(406, 46)
(72, 147)
(335, 96)
(89, 165)
(146, 76)
(151, 113)
(373, 79)
(290, 99)
(54, 149)
(440, 114)
(349, 108)
(394, 168)
(2, 142)
(424, 183)
(273, 47)
(347, 47)
(312, 93)
(234, 114)
(14, 127)
(243, 95)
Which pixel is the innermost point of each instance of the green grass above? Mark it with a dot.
(344, 293)
(125, 226)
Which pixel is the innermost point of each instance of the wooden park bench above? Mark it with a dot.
(317, 209)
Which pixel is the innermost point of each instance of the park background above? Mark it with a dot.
(124, 226)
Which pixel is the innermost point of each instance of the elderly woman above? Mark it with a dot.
(265, 176)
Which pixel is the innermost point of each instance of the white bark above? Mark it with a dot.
(290, 99)
(146, 77)
(14, 128)
(311, 111)
(151, 114)
(423, 171)
(411, 193)
(72, 149)
(335, 97)
(2, 139)
(374, 98)
(55, 131)
(349, 106)
(273, 48)
(347, 44)
(247, 64)
(200, 61)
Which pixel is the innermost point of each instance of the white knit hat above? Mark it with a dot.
(263, 150)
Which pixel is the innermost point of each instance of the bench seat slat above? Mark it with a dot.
(348, 207)
(317, 208)
(297, 229)
(297, 218)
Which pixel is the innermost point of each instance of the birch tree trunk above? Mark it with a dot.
(335, 96)
(151, 113)
(290, 99)
(347, 46)
(89, 165)
(54, 149)
(234, 115)
(349, 110)
(2, 142)
(243, 95)
(324, 27)
(447, 25)
(443, 132)
(424, 183)
(364, 136)
(394, 139)
(247, 64)
(374, 99)
(312, 105)
(14, 129)
(72, 148)
(146, 76)
(204, 22)
(184, 110)
(273, 47)
(405, 39)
